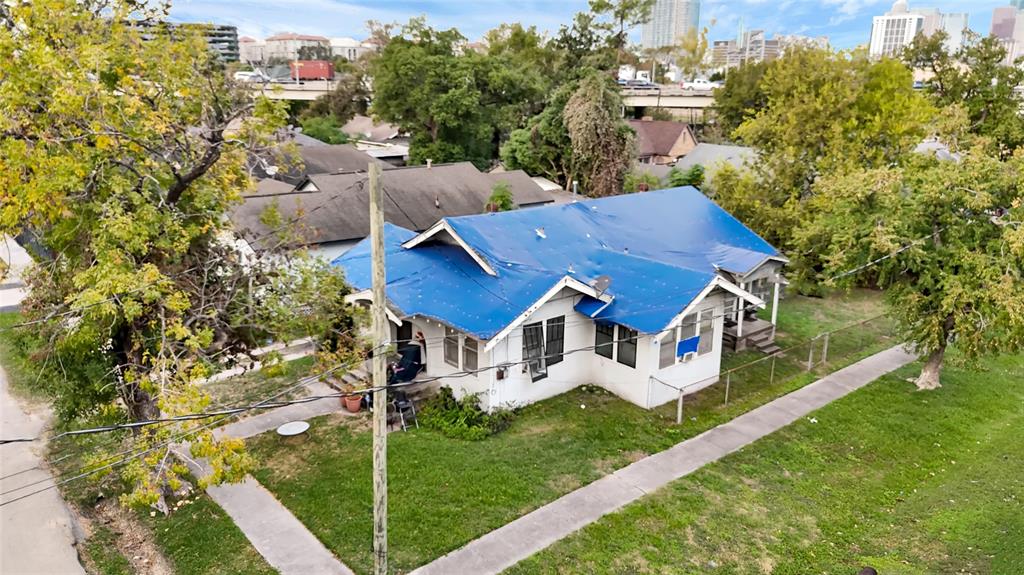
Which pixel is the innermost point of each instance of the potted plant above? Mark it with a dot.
(352, 401)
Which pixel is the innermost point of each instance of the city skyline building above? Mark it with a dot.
(1008, 27)
(670, 21)
(896, 29)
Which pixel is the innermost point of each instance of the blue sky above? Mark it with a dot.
(846, 22)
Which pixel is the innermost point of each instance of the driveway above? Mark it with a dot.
(35, 533)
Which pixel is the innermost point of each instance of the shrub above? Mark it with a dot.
(462, 419)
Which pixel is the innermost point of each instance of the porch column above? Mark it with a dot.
(775, 303)
(741, 314)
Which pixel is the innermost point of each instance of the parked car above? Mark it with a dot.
(700, 84)
(641, 85)
(246, 76)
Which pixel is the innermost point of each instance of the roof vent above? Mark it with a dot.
(437, 201)
(541, 234)
(625, 250)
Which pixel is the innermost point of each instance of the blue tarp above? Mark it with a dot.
(688, 345)
(660, 249)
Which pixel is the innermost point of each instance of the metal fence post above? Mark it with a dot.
(824, 350)
(771, 378)
(728, 380)
(679, 408)
(810, 353)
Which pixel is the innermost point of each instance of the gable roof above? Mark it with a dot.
(657, 137)
(710, 155)
(661, 249)
(415, 197)
(330, 159)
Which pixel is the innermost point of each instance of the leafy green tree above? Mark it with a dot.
(455, 103)
(350, 96)
(827, 113)
(622, 16)
(977, 78)
(640, 181)
(317, 52)
(543, 147)
(126, 177)
(603, 145)
(501, 199)
(323, 128)
(693, 176)
(581, 47)
(690, 51)
(945, 239)
(741, 97)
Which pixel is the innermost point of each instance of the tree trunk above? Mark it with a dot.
(141, 405)
(929, 378)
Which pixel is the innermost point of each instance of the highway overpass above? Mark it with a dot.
(688, 105)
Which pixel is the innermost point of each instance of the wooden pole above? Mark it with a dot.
(728, 382)
(380, 396)
(824, 350)
(771, 378)
(810, 353)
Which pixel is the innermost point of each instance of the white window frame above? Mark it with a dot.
(451, 335)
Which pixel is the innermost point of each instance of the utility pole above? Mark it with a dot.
(380, 395)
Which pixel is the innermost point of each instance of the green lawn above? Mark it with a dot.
(256, 385)
(907, 482)
(445, 492)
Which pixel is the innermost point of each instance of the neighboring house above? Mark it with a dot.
(332, 213)
(662, 142)
(633, 293)
(364, 128)
(713, 156)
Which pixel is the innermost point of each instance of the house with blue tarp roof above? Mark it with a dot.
(639, 294)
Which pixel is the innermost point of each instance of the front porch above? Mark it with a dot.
(752, 332)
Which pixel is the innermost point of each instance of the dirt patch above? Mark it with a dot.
(133, 539)
(767, 564)
(538, 429)
(608, 465)
(564, 483)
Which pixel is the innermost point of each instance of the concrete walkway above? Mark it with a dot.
(282, 540)
(36, 533)
(507, 545)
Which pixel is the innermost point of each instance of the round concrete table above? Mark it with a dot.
(293, 429)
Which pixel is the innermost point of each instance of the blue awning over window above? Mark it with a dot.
(589, 306)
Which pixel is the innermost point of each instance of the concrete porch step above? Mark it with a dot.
(768, 349)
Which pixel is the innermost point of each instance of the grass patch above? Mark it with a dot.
(102, 556)
(16, 348)
(445, 492)
(907, 482)
(200, 539)
(256, 385)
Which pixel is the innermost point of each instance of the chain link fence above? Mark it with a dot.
(811, 358)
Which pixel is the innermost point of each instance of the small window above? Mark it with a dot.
(688, 326)
(451, 347)
(555, 340)
(667, 352)
(603, 340)
(707, 332)
(533, 350)
(469, 354)
(627, 346)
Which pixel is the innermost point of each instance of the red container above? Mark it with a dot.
(311, 70)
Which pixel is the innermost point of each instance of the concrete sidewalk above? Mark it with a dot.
(282, 540)
(507, 545)
(37, 534)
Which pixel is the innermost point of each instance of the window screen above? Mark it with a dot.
(533, 350)
(627, 346)
(707, 332)
(667, 352)
(555, 340)
(605, 335)
(688, 326)
(469, 354)
(451, 347)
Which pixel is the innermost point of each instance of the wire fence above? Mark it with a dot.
(818, 355)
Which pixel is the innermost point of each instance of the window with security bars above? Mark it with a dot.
(555, 340)
(533, 350)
